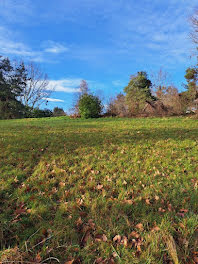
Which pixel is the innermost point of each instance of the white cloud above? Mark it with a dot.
(65, 85)
(55, 47)
(16, 10)
(10, 46)
(118, 83)
(53, 100)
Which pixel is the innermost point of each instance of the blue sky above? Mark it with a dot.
(101, 41)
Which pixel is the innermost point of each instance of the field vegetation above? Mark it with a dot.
(108, 190)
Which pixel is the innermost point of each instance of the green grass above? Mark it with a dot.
(99, 191)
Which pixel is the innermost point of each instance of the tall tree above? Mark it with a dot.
(12, 85)
(36, 88)
(138, 91)
(160, 82)
(83, 87)
(192, 83)
(83, 90)
(194, 23)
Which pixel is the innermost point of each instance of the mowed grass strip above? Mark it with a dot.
(99, 191)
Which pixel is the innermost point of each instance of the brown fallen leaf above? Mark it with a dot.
(183, 210)
(38, 258)
(99, 260)
(156, 228)
(182, 225)
(124, 241)
(79, 222)
(117, 238)
(128, 202)
(134, 234)
(100, 238)
(115, 255)
(169, 207)
(147, 201)
(62, 184)
(69, 261)
(156, 197)
(140, 226)
(111, 261)
(99, 186)
(161, 210)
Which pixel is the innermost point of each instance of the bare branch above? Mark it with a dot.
(37, 86)
(194, 23)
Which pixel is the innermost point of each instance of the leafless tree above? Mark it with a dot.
(171, 99)
(194, 23)
(118, 106)
(36, 90)
(83, 89)
(160, 81)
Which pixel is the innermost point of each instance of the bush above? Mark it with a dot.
(37, 113)
(89, 106)
(58, 112)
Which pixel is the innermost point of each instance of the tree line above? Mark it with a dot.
(24, 88)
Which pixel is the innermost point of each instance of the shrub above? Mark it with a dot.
(89, 106)
(58, 112)
(37, 113)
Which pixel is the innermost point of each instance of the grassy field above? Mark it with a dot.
(99, 191)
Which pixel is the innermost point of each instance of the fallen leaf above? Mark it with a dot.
(99, 260)
(182, 225)
(38, 258)
(183, 210)
(99, 186)
(124, 241)
(148, 201)
(115, 255)
(100, 238)
(124, 182)
(69, 261)
(128, 202)
(156, 228)
(134, 234)
(117, 239)
(140, 226)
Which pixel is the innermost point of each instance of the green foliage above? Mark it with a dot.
(192, 83)
(12, 83)
(69, 187)
(90, 106)
(138, 91)
(38, 113)
(58, 111)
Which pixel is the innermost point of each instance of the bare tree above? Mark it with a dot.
(118, 106)
(36, 90)
(194, 23)
(160, 81)
(171, 99)
(83, 89)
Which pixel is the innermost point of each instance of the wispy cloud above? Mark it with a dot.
(118, 83)
(16, 11)
(53, 100)
(65, 85)
(55, 47)
(10, 46)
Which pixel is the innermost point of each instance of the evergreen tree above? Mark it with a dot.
(138, 91)
(12, 83)
(192, 83)
(89, 106)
